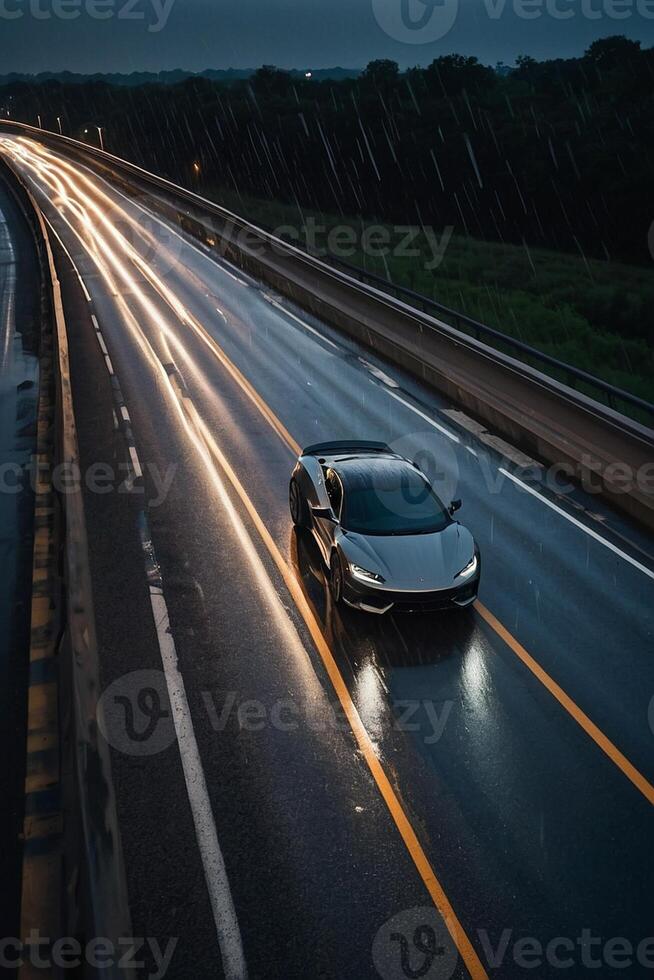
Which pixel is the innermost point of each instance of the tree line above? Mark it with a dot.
(555, 154)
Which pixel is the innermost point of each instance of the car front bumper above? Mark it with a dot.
(368, 598)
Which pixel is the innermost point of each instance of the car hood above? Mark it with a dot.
(412, 561)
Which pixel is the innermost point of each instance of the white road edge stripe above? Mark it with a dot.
(573, 520)
(222, 904)
(220, 265)
(379, 374)
(303, 323)
(136, 463)
(437, 425)
(87, 295)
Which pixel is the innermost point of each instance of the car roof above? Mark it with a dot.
(361, 470)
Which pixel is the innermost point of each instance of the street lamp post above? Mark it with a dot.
(99, 129)
(59, 124)
(39, 119)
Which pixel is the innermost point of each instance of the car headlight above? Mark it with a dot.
(470, 568)
(364, 575)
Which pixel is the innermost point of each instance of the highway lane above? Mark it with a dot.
(19, 381)
(527, 823)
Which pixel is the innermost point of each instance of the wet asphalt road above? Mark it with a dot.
(19, 379)
(531, 828)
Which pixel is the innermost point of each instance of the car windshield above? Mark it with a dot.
(392, 500)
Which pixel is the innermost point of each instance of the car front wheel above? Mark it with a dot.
(336, 578)
(298, 505)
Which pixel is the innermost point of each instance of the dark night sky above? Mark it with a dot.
(197, 34)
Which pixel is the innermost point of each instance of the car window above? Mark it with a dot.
(334, 491)
(393, 501)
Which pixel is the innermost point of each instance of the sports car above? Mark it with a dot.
(386, 538)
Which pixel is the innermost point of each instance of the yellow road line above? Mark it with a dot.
(566, 702)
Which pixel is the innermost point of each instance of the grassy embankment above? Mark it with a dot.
(595, 315)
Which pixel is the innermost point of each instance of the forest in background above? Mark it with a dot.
(543, 171)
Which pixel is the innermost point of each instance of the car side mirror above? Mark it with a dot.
(454, 506)
(323, 513)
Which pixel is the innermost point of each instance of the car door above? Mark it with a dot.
(325, 527)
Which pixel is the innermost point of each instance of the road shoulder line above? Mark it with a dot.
(566, 702)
